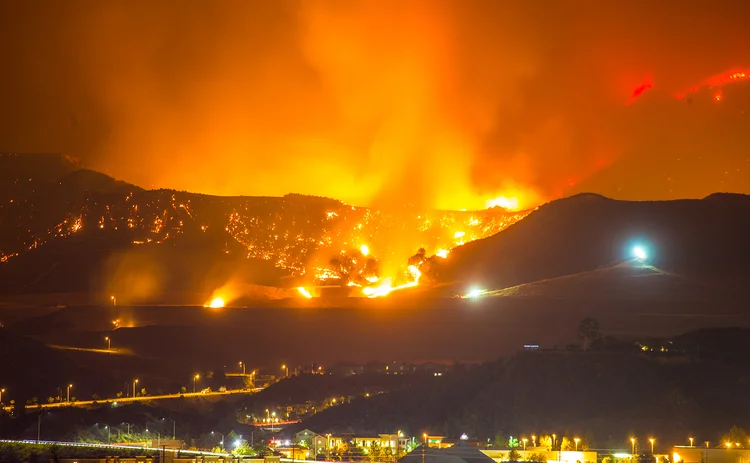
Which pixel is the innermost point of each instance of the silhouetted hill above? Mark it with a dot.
(705, 239)
(31, 369)
(65, 229)
(599, 396)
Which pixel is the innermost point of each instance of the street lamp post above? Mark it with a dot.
(113, 299)
(576, 440)
(524, 440)
(109, 342)
(195, 378)
(1, 395)
(632, 445)
(691, 441)
(554, 440)
(242, 364)
(135, 381)
(174, 426)
(652, 440)
(128, 425)
(286, 370)
(222, 438)
(109, 433)
(69, 386)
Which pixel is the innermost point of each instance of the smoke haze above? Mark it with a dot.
(437, 103)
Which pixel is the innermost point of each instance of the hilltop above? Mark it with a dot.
(698, 239)
(64, 229)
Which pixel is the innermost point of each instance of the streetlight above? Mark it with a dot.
(576, 440)
(174, 426)
(691, 441)
(652, 440)
(268, 416)
(425, 437)
(524, 440)
(128, 425)
(195, 378)
(69, 386)
(533, 440)
(109, 433)
(222, 438)
(1, 395)
(632, 445)
(113, 299)
(109, 342)
(286, 370)
(135, 381)
(554, 440)
(243, 368)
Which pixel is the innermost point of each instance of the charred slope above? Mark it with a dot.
(705, 238)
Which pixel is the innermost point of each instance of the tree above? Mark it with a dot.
(514, 455)
(588, 331)
(736, 435)
(545, 441)
(499, 439)
(567, 444)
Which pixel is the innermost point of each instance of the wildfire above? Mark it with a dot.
(365, 250)
(216, 303)
(442, 253)
(304, 292)
(510, 204)
(386, 287)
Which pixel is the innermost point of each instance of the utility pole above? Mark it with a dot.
(39, 427)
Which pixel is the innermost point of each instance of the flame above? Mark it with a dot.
(442, 253)
(386, 287)
(365, 250)
(216, 303)
(304, 292)
(510, 204)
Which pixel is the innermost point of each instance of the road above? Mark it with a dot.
(116, 401)
(131, 447)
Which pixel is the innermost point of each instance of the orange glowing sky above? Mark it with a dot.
(435, 102)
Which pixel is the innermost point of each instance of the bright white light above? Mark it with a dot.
(237, 443)
(640, 253)
(464, 436)
(474, 293)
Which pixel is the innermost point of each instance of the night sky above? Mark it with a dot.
(438, 103)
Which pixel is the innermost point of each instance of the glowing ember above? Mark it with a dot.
(216, 303)
(304, 292)
(510, 204)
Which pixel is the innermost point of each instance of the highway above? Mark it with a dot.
(132, 447)
(121, 400)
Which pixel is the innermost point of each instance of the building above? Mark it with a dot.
(317, 443)
(687, 454)
(551, 456)
(459, 453)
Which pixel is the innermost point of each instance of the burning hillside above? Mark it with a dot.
(312, 241)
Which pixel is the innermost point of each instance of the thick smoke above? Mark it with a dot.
(435, 102)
